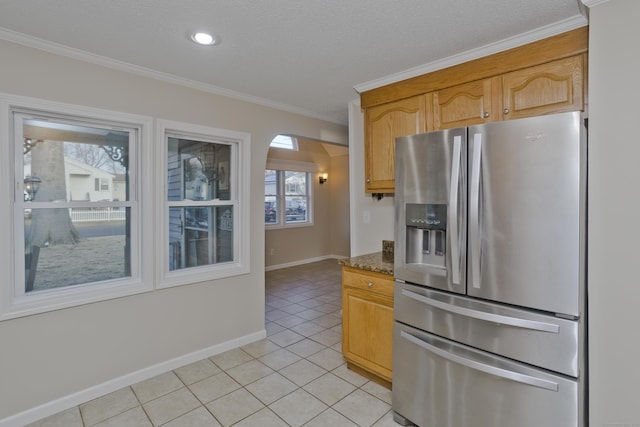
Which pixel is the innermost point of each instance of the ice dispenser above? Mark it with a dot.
(426, 226)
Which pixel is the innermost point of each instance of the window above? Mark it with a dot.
(284, 141)
(205, 203)
(101, 184)
(287, 198)
(77, 244)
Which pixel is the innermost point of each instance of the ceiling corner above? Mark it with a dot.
(591, 3)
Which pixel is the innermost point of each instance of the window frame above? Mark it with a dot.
(239, 183)
(14, 303)
(281, 167)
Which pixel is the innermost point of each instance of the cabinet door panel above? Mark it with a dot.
(383, 124)
(467, 104)
(554, 87)
(368, 331)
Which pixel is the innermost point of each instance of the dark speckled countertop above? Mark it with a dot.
(376, 262)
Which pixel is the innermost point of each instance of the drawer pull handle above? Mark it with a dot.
(482, 315)
(482, 367)
(370, 284)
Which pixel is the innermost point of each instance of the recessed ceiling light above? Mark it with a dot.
(203, 38)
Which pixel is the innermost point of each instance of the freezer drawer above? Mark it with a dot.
(438, 383)
(538, 339)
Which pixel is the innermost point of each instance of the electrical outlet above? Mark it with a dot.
(272, 251)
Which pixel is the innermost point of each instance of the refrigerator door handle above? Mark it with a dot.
(453, 210)
(482, 367)
(482, 315)
(474, 211)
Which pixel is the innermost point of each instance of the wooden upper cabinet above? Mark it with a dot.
(543, 77)
(553, 87)
(383, 124)
(467, 104)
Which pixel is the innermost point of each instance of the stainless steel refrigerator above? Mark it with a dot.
(489, 304)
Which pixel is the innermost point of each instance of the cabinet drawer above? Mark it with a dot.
(369, 281)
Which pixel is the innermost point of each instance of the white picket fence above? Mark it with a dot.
(97, 215)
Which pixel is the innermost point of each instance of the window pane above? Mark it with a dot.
(296, 209)
(200, 236)
(270, 182)
(284, 141)
(64, 162)
(270, 196)
(92, 246)
(198, 170)
(270, 210)
(295, 183)
(295, 196)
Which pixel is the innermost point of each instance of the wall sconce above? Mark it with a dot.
(323, 178)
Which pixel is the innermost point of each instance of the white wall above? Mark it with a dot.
(371, 219)
(53, 355)
(614, 206)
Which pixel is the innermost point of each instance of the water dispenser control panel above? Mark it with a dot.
(426, 226)
(429, 216)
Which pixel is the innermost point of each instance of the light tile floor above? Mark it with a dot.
(294, 377)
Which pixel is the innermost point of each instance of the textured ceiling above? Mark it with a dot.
(303, 56)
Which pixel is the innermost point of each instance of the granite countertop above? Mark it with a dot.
(377, 262)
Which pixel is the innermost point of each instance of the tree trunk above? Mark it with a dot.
(50, 226)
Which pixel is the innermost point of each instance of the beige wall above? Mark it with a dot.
(329, 234)
(339, 227)
(614, 203)
(52, 355)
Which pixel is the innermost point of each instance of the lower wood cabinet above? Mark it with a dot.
(367, 323)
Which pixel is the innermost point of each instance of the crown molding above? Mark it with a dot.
(591, 3)
(82, 55)
(519, 40)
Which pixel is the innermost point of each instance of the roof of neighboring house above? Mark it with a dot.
(74, 167)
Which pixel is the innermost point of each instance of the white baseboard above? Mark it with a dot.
(302, 261)
(75, 399)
